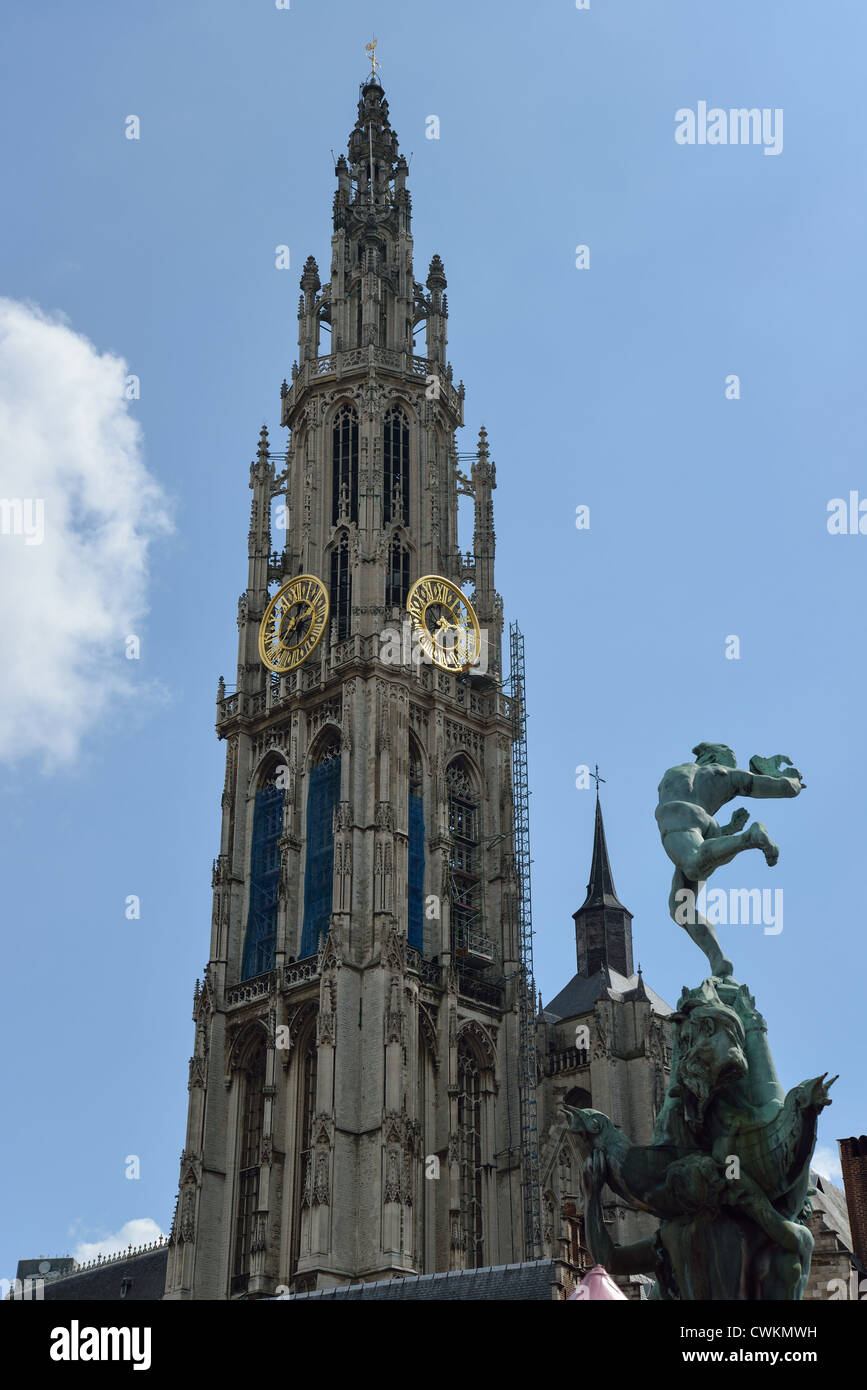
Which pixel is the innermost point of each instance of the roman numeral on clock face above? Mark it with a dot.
(443, 619)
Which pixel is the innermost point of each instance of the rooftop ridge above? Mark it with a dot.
(131, 1252)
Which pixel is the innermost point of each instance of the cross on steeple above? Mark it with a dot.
(597, 779)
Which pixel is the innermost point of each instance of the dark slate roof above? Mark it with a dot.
(147, 1273)
(582, 992)
(531, 1281)
(47, 1269)
(600, 889)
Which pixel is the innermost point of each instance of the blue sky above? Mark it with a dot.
(602, 387)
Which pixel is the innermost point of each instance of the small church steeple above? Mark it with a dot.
(603, 926)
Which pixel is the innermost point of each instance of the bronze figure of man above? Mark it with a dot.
(689, 797)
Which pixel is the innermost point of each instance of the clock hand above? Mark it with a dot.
(296, 620)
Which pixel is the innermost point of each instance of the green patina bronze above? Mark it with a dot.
(689, 797)
(727, 1171)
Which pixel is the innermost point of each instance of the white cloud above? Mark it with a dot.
(69, 439)
(826, 1162)
(142, 1231)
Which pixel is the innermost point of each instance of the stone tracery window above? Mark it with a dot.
(344, 466)
(340, 594)
(252, 1118)
(323, 795)
(260, 938)
(463, 807)
(397, 575)
(305, 1112)
(395, 461)
(470, 1139)
(415, 925)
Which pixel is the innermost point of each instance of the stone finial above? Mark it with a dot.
(436, 278)
(310, 281)
(263, 447)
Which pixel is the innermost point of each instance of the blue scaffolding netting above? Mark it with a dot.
(261, 935)
(322, 798)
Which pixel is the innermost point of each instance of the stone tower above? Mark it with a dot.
(603, 1043)
(354, 1106)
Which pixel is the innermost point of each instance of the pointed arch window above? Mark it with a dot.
(471, 1175)
(252, 1120)
(465, 907)
(260, 938)
(323, 795)
(344, 466)
(305, 1111)
(426, 1200)
(341, 586)
(397, 576)
(395, 460)
(415, 927)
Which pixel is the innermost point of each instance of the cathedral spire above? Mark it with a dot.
(600, 889)
(372, 149)
(603, 926)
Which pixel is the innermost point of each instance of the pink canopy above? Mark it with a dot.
(597, 1283)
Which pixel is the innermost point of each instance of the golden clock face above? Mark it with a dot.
(294, 622)
(446, 627)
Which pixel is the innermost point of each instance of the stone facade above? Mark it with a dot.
(353, 1092)
(351, 1112)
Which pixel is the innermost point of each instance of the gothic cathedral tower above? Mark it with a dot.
(354, 1103)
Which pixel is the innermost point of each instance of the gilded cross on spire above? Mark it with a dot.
(371, 49)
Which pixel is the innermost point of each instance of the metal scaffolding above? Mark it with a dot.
(530, 1184)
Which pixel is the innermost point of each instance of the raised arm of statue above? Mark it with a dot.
(768, 777)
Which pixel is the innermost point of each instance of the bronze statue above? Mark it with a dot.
(727, 1171)
(689, 797)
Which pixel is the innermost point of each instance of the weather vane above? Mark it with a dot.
(371, 49)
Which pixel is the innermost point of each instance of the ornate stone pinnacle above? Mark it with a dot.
(310, 281)
(436, 279)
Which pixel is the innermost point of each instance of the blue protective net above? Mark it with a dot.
(261, 936)
(322, 797)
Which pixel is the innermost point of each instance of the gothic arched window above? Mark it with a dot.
(415, 926)
(344, 466)
(397, 576)
(323, 795)
(341, 585)
(577, 1252)
(463, 802)
(305, 1111)
(471, 1176)
(425, 1206)
(252, 1120)
(260, 939)
(395, 463)
(579, 1098)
